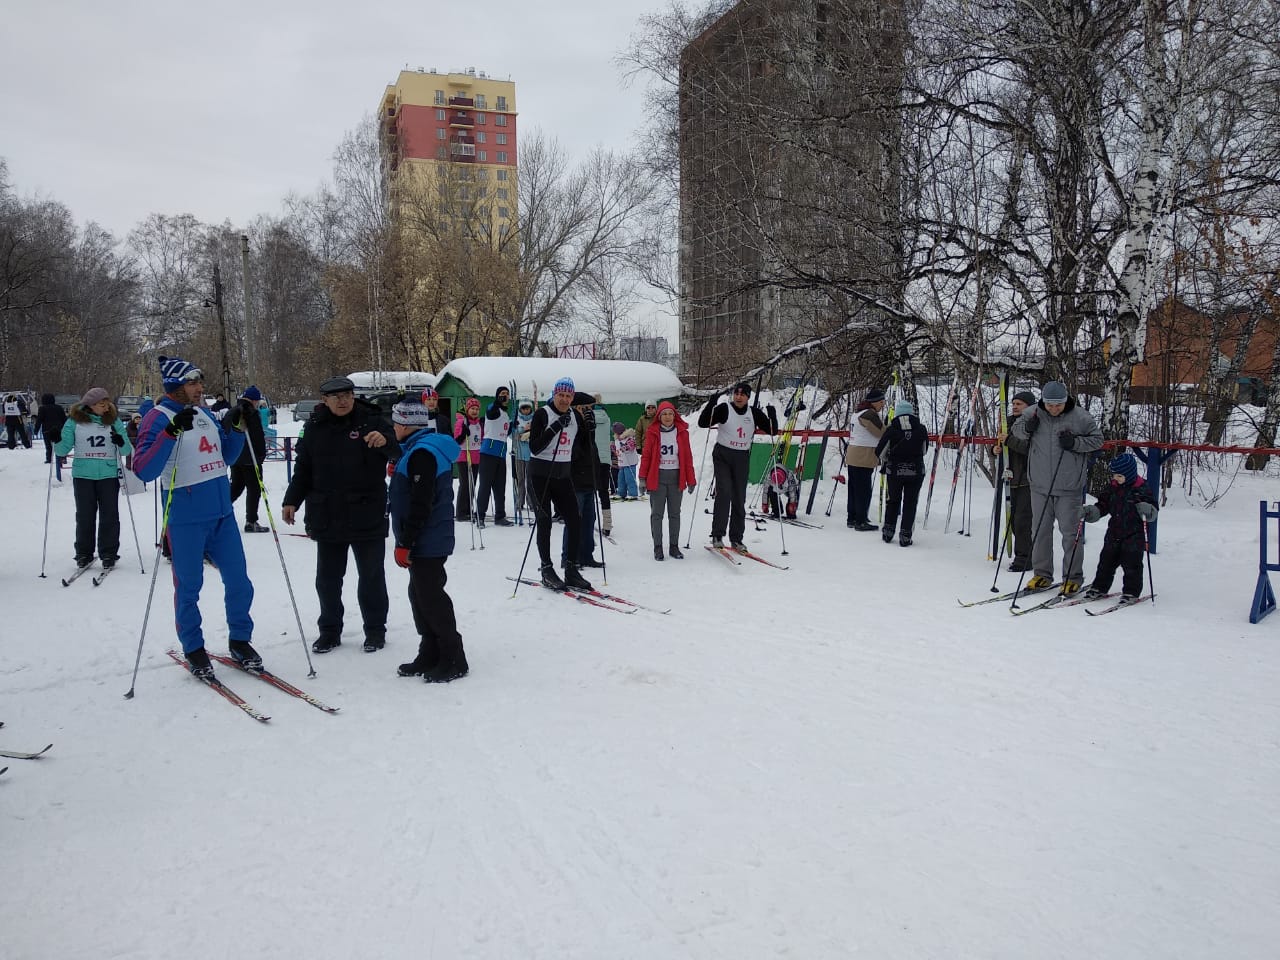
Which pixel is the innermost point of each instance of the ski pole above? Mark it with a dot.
(604, 565)
(48, 495)
(1146, 548)
(155, 569)
(137, 544)
(706, 445)
(266, 503)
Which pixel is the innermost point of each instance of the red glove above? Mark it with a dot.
(402, 557)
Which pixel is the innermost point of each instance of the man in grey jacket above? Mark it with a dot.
(1059, 437)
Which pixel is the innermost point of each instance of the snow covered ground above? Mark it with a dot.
(824, 762)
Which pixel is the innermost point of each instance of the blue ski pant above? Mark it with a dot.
(188, 544)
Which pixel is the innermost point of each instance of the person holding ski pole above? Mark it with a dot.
(1130, 504)
(860, 457)
(736, 424)
(556, 433)
(98, 439)
(244, 472)
(1019, 485)
(491, 473)
(468, 432)
(1060, 436)
(422, 523)
(901, 452)
(188, 449)
(520, 459)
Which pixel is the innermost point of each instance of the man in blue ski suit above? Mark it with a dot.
(184, 446)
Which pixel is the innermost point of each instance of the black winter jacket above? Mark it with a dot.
(1120, 503)
(254, 436)
(902, 447)
(51, 417)
(341, 479)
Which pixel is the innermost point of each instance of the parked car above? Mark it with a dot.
(303, 409)
(128, 405)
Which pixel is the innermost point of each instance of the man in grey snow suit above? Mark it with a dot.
(1060, 437)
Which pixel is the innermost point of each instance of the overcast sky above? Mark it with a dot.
(124, 108)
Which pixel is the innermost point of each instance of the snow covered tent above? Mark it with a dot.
(624, 385)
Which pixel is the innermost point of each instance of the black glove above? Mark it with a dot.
(1066, 440)
(564, 418)
(117, 439)
(184, 419)
(237, 415)
(1031, 425)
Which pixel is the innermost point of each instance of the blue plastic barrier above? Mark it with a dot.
(1264, 598)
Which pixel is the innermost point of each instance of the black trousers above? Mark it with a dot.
(371, 589)
(432, 608)
(16, 426)
(245, 479)
(462, 505)
(731, 468)
(902, 494)
(97, 504)
(860, 493)
(558, 491)
(491, 477)
(1128, 557)
(1020, 504)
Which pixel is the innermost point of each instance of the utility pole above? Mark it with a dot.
(248, 317)
(222, 328)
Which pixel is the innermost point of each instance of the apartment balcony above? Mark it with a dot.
(462, 152)
(467, 102)
(462, 120)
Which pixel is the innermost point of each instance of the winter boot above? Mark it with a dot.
(253, 526)
(374, 642)
(657, 551)
(426, 660)
(83, 561)
(739, 546)
(325, 644)
(1070, 587)
(717, 543)
(886, 535)
(198, 660)
(574, 579)
(1039, 582)
(551, 579)
(453, 662)
(109, 562)
(242, 652)
(904, 539)
(1093, 593)
(1127, 598)
(791, 510)
(675, 553)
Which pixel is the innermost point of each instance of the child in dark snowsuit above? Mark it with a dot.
(1129, 504)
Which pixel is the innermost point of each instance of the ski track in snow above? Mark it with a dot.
(826, 762)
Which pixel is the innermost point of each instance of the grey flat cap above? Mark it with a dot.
(337, 385)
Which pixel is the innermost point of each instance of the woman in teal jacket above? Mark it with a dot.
(97, 436)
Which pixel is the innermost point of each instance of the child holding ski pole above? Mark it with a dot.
(1130, 505)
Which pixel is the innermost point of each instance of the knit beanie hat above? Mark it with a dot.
(253, 393)
(429, 393)
(410, 413)
(1125, 465)
(903, 408)
(618, 428)
(174, 372)
(874, 396)
(565, 385)
(1055, 391)
(94, 395)
(1026, 396)
(472, 402)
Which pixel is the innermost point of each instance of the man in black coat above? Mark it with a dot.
(244, 477)
(341, 476)
(51, 417)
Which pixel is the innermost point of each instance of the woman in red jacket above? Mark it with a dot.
(666, 466)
